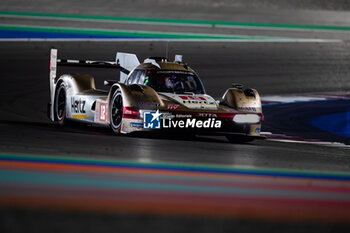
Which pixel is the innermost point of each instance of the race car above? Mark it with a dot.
(156, 95)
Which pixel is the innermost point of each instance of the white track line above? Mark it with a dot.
(288, 139)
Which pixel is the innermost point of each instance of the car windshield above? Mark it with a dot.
(174, 82)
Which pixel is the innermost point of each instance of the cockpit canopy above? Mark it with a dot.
(171, 81)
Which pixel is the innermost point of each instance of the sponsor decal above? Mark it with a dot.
(53, 63)
(78, 105)
(247, 109)
(131, 113)
(79, 116)
(128, 112)
(195, 100)
(257, 130)
(136, 125)
(103, 112)
(151, 120)
(148, 104)
(173, 106)
(203, 114)
(190, 97)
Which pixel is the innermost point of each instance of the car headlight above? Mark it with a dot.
(246, 118)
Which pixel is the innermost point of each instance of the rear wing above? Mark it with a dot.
(125, 62)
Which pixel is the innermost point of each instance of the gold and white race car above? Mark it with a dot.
(156, 95)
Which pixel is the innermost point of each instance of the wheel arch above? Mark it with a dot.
(133, 96)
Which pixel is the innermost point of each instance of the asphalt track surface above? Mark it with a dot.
(25, 94)
(54, 163)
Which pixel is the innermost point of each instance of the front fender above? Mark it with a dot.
(136, 97)
(242, 100)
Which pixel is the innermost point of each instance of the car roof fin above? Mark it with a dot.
(128, 61)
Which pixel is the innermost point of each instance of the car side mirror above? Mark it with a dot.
(238, 86)
(109, 82)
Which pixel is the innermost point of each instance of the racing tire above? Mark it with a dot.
(116, 112)
(239, 138)
(60, 105)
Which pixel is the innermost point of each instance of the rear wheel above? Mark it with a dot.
(60, 104)
(116, 112)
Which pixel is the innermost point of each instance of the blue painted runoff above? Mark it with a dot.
(336, 123)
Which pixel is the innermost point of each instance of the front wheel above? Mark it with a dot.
(116, 112)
